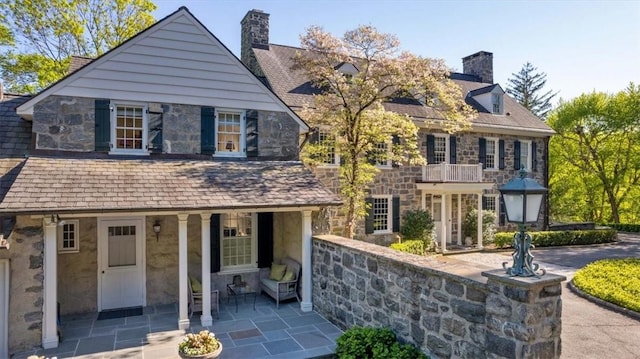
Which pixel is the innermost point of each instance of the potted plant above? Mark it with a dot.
(200, 345)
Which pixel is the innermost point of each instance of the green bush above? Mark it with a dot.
(614, 280)
(410, 246)
(374, 343)
(417, 225)
(470, 225)
(560, 238)
(624, 227)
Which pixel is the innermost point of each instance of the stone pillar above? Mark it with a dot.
(183, 274)
(523, 316)
(49, 305)
(479, 220)
(206, 319)
(307, 302)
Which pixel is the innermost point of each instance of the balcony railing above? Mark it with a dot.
(445, 172)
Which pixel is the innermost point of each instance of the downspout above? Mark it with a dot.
(545, 220)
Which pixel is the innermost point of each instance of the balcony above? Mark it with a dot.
(446, 172)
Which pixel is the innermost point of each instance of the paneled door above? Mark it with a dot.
(4, 308)
(121, 263)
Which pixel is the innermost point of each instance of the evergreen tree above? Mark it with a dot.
(526, 87)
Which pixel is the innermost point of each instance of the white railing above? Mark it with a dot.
(445, 172)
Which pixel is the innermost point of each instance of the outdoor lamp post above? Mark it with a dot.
(522, 198)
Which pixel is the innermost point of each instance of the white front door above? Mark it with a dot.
(4, 308)
(121, 267)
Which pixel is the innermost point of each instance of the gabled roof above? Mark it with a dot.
(92, 185)
(15, 140)
(176, 60)
(484, 90)
(295, 89)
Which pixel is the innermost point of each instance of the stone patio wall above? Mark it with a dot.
(447, 308)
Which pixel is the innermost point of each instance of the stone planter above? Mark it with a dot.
(212, 355)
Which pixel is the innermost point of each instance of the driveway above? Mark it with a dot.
(588, 330)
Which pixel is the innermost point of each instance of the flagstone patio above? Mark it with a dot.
(265, 332)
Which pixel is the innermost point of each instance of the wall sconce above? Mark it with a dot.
(156, 229)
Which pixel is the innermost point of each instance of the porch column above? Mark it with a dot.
(206, 319)
(183, 312)
(423, 197)
(443, 221)
(307, 303)
(480, 220)
(459, 218)
(50, 267)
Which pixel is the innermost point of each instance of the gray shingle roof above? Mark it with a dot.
(15, 140)
(296, 91)
(92, 184)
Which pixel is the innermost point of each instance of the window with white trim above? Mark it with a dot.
(328, 148)
(440, 149)
(382, 216)
(496, 101)
(129, 128)
(383, 154)
(525, 154)
(238, 245)
(68, 236)
(491, 161)
(490, 203)
(230, 133)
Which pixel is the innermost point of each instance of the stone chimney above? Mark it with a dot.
(255, 35)
(479, 64)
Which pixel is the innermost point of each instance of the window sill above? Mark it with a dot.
(129, 153)
(69, 251)
(238, 271)
(327, 165)
(382, 232)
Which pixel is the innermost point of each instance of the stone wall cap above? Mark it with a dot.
(546, 279)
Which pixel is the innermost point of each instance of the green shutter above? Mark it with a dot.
(102, 125)
(482, 153)
(452, 150)
(265, 239)
(368, 220)
(215, 243)
(252, 134)
(516, 155)
(431, 149)
(155, 132)
(534, 156)
(207, 130)
(395, 141)
(501, 164)
(395, 209)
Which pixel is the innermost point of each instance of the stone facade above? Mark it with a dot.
(401, 181)
(426, 303)
(479, 64)
(68, 123)
(255, 34)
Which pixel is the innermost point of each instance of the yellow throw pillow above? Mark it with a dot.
(288, 276)
(277, 271)
(195, 285)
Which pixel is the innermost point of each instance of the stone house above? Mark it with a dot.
(463, 170)
(162, 159)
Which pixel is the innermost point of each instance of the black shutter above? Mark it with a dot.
(252, 134)
(314, 136)
(102, 125)
(502, 220)
(215, 243)
(368, 220)
(395, 209)
(501, 154)
(207, 130)
(516, 155)
(155, 132)
(452, 150)
(395, 141)
(534, 156)
(265, 239)
(484, 202)
(482, 153)
(431, 149)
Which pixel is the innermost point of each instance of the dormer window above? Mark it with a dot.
(496, 101)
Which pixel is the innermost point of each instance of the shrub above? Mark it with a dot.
(560, 238)
(470, 225)
(625, 227)
(410, 246)
(614, 280)
(417, 225)
(374, 343)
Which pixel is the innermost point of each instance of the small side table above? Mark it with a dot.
(237, 290)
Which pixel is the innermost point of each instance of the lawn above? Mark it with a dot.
(614, 280)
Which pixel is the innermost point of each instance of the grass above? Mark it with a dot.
(614, 280)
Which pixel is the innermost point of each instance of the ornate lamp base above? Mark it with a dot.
(523, 265)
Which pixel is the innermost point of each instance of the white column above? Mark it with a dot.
(459, 218)
(480, 220)
(49, 306)
(183, 312)
(307, 302)
(443, 221)
(423, 197)
(206, 319)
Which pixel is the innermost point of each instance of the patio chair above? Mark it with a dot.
(195, 297)
(282, 285)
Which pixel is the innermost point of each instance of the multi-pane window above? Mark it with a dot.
(525, 158)
(381, 214)
(229, 133)
(328, 148)
(440, 149)
(122, 246)
(129, 126)
(68, 241)
(491, 161)
(496, 100)
(237, 240)
(382, 154)
(490, 203)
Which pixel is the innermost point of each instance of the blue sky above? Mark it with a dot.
(582, 45)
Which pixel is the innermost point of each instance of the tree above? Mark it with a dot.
(597, 148)
(351, 105)
(526, 87)
(44, 34)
